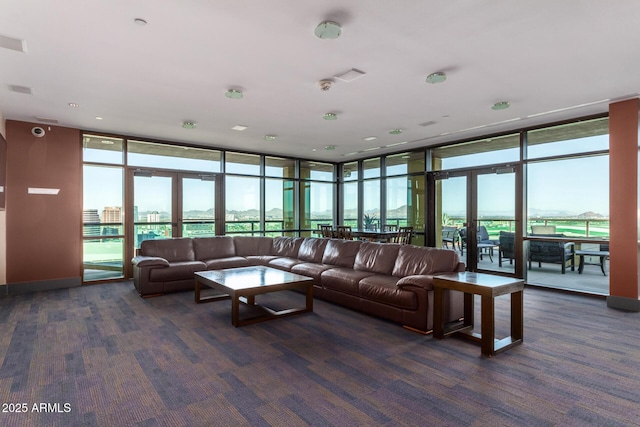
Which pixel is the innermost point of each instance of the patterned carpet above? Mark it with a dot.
(102, 356)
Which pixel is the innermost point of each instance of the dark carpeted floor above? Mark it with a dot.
(101, 355)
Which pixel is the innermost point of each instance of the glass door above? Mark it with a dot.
(154, 206)
(197, 200)
(475, 214)
(494, 220)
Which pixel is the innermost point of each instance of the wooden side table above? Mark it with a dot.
(488, 286)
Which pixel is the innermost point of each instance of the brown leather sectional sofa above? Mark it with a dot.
(387, 280)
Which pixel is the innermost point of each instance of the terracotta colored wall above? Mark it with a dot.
(623, 198)
(43, 231)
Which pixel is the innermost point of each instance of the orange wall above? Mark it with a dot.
(43, 231)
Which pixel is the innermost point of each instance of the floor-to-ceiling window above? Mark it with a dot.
(243, 195)
(103, 250)
(568, 197)
(350, 194)
(279, 196)
(405, 192)
(371, 196)
(317, 195)
(136, 190)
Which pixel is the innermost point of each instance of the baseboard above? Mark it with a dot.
(4, 289)
(623, 303)
(39, 286)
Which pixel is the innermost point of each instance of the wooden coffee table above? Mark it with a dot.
(247, 282)
(488, 286)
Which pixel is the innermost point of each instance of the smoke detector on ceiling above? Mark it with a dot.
(325, 85)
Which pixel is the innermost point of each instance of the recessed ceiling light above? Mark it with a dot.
(369, 138)
(269, 137)
(188, 125)
(233, 94)
(330, 116)
(330, 147)
(372, 148)
(351, 154)
(395, 131)
(98, 118)
(314, 149)
(73, 105)
(434, 78)
(328, 30)
(240, 127)
(140, 21)
(502, 105)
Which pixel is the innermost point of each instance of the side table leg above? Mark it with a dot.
(438, 324)
(517, 316)
(488, 327)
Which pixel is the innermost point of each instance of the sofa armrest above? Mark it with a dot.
(149, 261)
(424, 281)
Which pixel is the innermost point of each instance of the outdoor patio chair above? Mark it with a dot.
(450, 235)
(552, 252)
(507, 246)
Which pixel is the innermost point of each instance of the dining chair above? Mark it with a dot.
(390, 227)
(405, 234)
(344, 232)
(326, 230)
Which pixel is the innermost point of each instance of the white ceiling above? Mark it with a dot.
(552, 60)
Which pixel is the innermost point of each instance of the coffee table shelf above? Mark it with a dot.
(244, 283)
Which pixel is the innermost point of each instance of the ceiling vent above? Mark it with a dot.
(21, 89)
(13, 44)
(350, 75)
(46, 120)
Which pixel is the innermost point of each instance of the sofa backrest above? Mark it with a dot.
(414, 260)
(312, 249)
(286, 246)
(214, 247)
(341, 253)
(376, 257)
(173, 250)
(249, 245)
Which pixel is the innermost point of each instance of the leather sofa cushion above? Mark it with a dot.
(249, 245)
(260, 259)
(377, 257)
(413, 260)
(173, 250)
(214, 247)
(312, 249)
(230, 262)
(150, 261)
(343, 279)
(423, 281)
(341, 252)
(310, 269)
(176, 271)
(284, 263)
(383, 289)
(286, 246)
